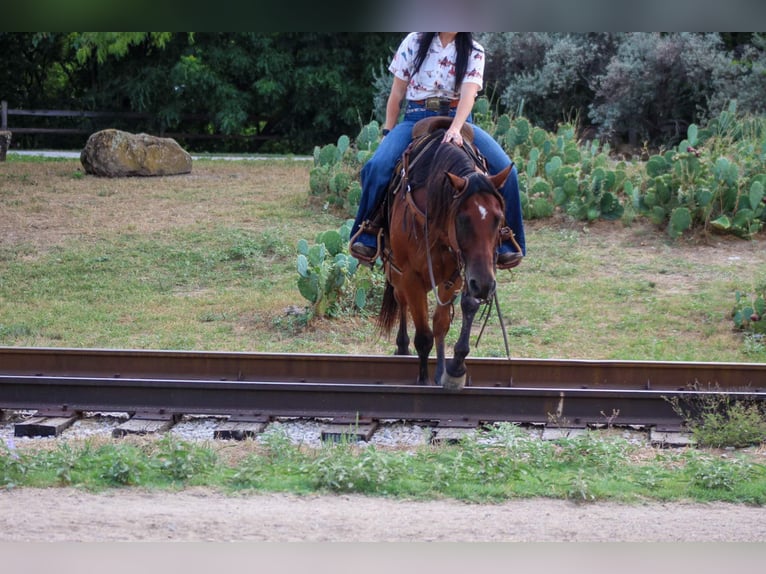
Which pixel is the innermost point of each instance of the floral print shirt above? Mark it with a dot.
(436, 77)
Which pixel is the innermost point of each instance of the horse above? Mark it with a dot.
(444, 225)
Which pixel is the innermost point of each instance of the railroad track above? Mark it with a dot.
(251, 389)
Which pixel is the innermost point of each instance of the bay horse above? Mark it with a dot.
(444, 227)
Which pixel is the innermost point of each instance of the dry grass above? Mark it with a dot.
(47, 203)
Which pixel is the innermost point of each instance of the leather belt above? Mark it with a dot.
(436, 104)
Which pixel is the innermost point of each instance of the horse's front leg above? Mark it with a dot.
(454, 376)
(442, 320)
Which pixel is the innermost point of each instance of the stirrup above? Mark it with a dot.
(364, 259)
(507, 234)
(513, 261)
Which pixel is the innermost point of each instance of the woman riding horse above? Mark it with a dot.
(444, 227)
(439, 74)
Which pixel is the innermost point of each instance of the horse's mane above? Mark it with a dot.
(453, 159)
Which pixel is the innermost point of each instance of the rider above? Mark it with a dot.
(439, 74)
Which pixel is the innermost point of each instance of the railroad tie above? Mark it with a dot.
(45, 423)
(145, 422)
(241, 427)
(351, 429)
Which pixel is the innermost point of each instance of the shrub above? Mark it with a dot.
(122, 466)
(180, 460)
(743, 79)
(13, 466)
(340, 468)
(714, 179)
(655, 85)
(639, 87)
(547, 77)
(719, 474)
(721, 420)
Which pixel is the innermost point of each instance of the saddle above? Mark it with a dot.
(427, 126)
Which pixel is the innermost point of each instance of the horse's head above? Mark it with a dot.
(478, 216)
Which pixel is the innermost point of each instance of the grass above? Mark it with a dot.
(207, 261)
(500, 464)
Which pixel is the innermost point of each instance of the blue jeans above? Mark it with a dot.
(376, 173)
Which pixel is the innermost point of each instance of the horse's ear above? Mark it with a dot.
(458, 182)
(498, 180)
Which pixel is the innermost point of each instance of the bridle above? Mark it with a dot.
(452, 240)
(422, 145)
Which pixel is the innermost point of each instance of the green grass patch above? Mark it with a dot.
(501, 464)
(140, 291)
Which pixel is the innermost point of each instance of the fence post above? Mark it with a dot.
(3, 115)
(5, 143)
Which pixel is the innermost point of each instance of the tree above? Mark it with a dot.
(296, 89)
(31, 74)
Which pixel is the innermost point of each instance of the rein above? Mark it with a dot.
(457, 200)
(448, 284)
(481, 167)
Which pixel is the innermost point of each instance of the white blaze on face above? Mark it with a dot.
(482, 210)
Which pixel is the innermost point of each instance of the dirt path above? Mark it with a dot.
(44, 515)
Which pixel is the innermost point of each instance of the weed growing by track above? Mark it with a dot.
(499, 464)
(717, 420)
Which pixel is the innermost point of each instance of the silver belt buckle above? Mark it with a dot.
(433, 104)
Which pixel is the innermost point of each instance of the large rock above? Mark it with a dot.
(114, 153)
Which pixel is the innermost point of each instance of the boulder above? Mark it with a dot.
(5, 143)
(114, 153)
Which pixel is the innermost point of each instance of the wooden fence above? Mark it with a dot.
(6, 112)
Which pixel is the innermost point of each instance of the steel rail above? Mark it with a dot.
(361, 369)
(572, 407)
(264, 386)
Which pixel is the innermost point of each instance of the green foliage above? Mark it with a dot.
(499, 463)
(180, 460)
(739, 425)
(588, 449)
(275, 91)
(328, 277)
(636, 87)
(115, 44)
(691, 187)
(340, 468)
(719, 474)
(721, 420)
(335, 175)
(13, 466)
(367, 142)
(120, 466)
(749, 317)
(297, 88)
(559, 175)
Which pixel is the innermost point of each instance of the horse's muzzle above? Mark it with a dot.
(483, 290)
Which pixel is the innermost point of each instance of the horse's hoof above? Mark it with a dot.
(453, 384)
